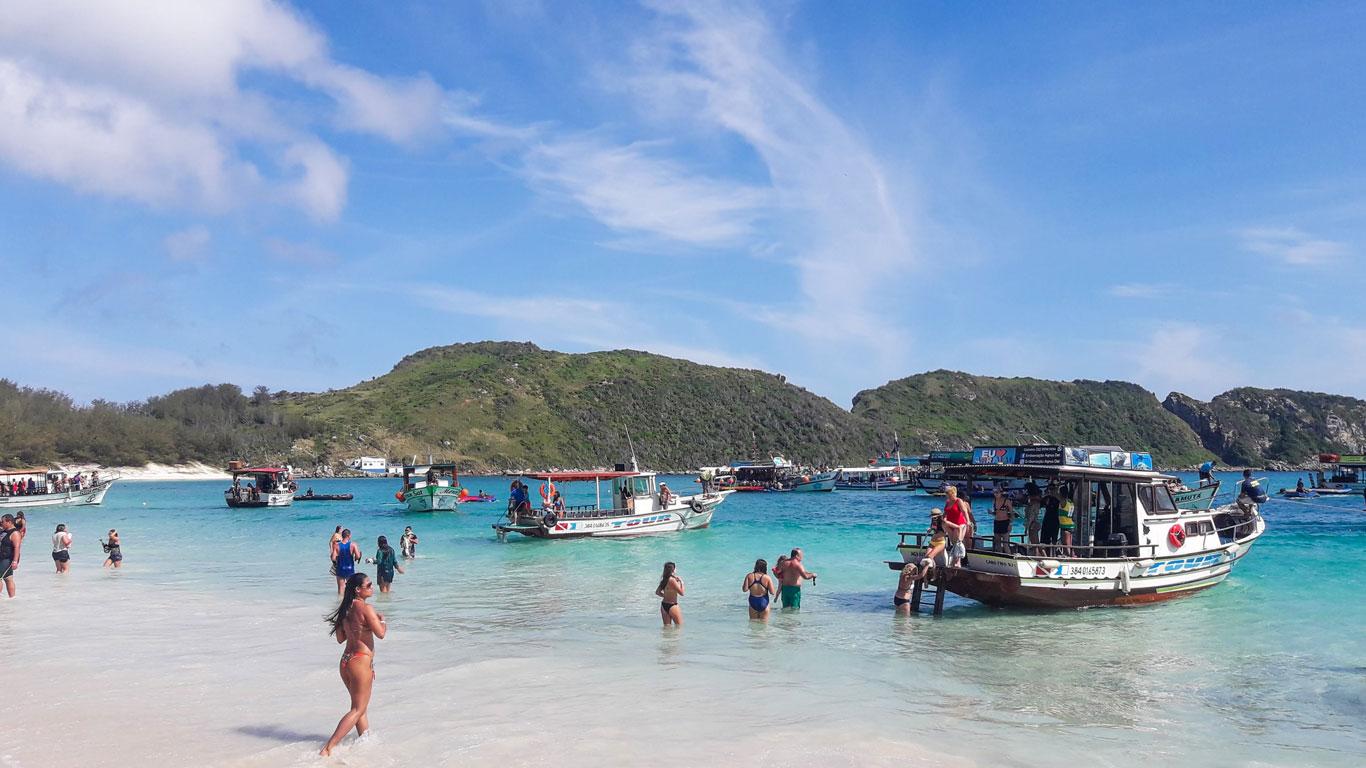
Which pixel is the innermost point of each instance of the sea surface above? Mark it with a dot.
(208, 647)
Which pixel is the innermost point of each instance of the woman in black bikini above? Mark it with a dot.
(357, 624)
(670, 589)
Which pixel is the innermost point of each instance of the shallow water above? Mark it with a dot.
(208, 647)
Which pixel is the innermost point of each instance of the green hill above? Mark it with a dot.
(1248, 426)
(508, 405)
(947, 409)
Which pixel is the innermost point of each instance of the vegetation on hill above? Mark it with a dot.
(947, 409)
(209, 423)
(1248, 426)
(509, 405)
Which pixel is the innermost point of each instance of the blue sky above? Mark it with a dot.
(845, 193)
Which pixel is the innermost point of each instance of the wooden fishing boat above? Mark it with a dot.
(1201, 497)
(1132, 543)
(429, 487)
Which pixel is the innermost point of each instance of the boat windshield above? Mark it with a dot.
(1157, 499)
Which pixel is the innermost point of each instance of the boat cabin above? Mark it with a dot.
(441, 475)
(876, 475)
(1342, 470)
(760, 475)
(1119, 505)
(35, 482)
(618, 492)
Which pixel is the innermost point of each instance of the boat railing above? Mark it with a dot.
(1018, 545)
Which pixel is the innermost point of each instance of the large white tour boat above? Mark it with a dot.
(875, 478)
(265, 486)
(1132, 543)
(635, 506)
(31, 488)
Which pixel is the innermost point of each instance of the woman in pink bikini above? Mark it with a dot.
(356, 623)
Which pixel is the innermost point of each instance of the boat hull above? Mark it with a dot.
(85, 497)
(432, 499)
(282, 499)
(908, 485)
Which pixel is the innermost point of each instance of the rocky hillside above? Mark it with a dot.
(1248, 426)
(947, 409)
(508, 405)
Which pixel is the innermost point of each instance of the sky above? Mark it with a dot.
(298, 195)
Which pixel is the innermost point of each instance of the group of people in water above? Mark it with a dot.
(346, 554)
(13, 531)
(759, 585)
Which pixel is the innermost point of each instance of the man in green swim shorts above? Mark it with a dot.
(791, 577)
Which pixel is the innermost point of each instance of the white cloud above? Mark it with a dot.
(1188, 358)
(187, 245)
(1141, 290)
(628, 189)
(144, 100)
(1291, 245)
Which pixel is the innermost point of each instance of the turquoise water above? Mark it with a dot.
(528, 652)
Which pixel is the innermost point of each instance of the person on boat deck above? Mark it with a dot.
(517, 498)
(665, 495)
(1066, 525)
(1033, 501)
(557, 502)
(1249, 492)
(1003, 514)
(958, 521)
(1049, 530)
(1207, 473)
(626, 496)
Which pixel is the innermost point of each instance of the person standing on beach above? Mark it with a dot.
(10, 544)
(345, 554)
(407, 543)
(386, 562)
(761, 590)
(356, 623)
(21, 524)
(669, 591)
(61, 543)
(115, 550)
(791, 578)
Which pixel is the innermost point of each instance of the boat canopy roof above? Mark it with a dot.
(34, 471)
(259, 471)
(1344, 460)
(1056, 461)
(878, 470)
(569, 477)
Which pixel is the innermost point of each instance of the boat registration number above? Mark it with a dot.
(1080, 571)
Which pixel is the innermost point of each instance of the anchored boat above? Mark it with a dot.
(1196, 498)
(1345, 475)
(266, 486)
(1132, 543)
(437, 488)
(30, 488)
(634, 506)
(874, 479)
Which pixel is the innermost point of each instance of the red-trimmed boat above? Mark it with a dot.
(1132, 542)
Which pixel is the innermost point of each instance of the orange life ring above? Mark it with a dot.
(547, 490)
(1176, 536)
(398, 495)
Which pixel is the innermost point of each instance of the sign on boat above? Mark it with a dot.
(635, 505)
(42, 487)
(1132, 542)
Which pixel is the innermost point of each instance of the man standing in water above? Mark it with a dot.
(10, 544)
(345, 555)
(791, 577)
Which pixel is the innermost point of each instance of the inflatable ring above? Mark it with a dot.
(1176, 536)
(398, 495)
(547, 491)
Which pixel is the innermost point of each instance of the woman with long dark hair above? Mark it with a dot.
(356, 623)
(670, 589)
(761, 590)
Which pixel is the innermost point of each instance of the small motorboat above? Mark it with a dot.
(310, 496)
(1291, 493)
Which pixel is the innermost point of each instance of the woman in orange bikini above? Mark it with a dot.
(357, 624)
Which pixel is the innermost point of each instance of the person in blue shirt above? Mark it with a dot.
(1207, 473)
(1249, 492)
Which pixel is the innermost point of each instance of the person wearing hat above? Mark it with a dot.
(935, 555)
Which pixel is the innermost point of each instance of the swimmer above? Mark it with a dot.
(385, 564)
(115, 550)
(407, 543)
(357, 624)
(910, 573)
(791, 578)
(61, 542)
(669, 591)
(345, 555)
(761, 590)
(332, 548)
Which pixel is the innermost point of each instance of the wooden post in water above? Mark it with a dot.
(915, 595)
(939, 598)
